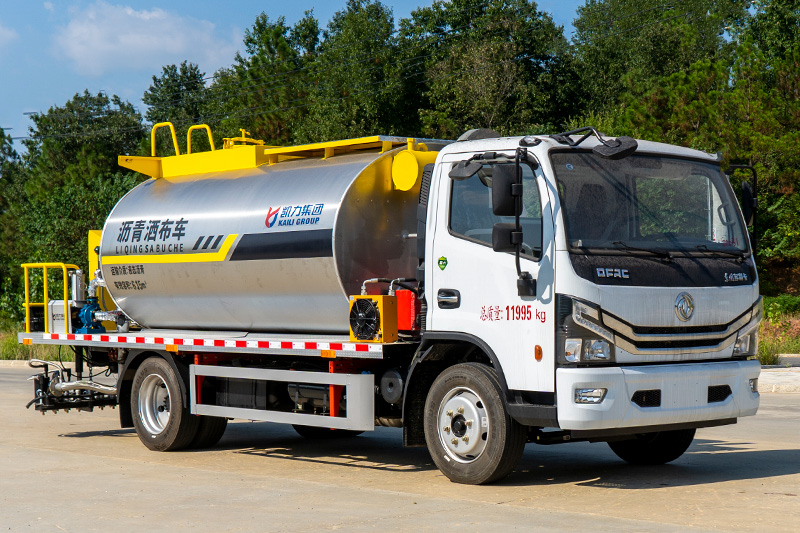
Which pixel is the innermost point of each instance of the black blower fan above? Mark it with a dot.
(365, 319)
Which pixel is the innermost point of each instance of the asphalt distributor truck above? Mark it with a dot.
(479, 294)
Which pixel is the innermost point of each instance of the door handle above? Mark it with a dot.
(448, 299)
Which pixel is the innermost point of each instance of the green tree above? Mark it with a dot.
(88, 127)
(11, 180)
(501, 64)
(350, 81)
(65, 185)
(774, 27)
(648, 39)
(178, 95)
(261, 89)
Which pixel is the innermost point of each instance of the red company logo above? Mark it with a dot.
(272, 216)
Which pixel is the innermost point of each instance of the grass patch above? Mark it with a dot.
(11, 350)
(778, 335)
(780, 307)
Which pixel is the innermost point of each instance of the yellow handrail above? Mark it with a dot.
(153, 137)
(28, 304)
(189, 136)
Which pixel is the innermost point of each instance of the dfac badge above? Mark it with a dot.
(684, 306)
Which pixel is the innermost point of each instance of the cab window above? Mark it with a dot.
(471, 216)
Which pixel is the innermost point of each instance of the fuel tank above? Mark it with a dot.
(272, 248)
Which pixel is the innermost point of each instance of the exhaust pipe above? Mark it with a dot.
(58, 389)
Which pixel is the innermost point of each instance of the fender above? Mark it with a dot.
(134, 359)
(514, 404)
(413, 433)
(430, 337)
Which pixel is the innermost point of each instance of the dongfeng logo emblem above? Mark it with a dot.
(684, 306)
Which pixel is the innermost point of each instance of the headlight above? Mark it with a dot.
(580, 334)
(596, 350)
(577, 350)
(746, 344)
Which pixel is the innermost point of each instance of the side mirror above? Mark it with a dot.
(504, 235)
(504, 187)
(748, 203)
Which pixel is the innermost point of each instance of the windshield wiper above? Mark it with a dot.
(739, 256)
(660, 253)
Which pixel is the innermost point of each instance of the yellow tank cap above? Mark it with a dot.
(408, 165)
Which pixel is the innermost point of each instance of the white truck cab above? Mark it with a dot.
(646, 305)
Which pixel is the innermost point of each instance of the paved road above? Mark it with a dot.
(79, 472)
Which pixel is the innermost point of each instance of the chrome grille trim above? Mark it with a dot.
(626, 330)
(629, 347)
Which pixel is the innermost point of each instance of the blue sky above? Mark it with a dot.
(50, 50)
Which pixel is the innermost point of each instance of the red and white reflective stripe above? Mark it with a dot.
(220, 343)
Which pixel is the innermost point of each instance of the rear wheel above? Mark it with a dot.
(160, 415)
(314, 432)
(210, 430)
(653, 448)
(470, 436)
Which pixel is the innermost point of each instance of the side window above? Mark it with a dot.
(471, 214)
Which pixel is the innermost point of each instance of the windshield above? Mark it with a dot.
(647, 203)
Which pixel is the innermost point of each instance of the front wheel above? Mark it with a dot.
(469, 434)
(653, 448)
(160, 416)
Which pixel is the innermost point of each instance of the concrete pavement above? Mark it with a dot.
(80, 472)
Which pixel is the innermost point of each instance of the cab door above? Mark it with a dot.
(473, 289)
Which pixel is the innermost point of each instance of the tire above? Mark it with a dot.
(160, 416)
(653, 448)
(319, 433)
(470, 435)
(210, 429)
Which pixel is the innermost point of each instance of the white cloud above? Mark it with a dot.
(6, 35)
(104, 38)
(49, 7)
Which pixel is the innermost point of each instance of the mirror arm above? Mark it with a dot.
(752, 170)
(526, 285)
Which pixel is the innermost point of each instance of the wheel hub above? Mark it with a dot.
(459, 426)
(154, 404)
(463, 424)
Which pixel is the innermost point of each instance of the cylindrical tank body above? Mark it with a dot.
(275, 248)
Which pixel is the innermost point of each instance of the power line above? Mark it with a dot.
(660, 21)
(314, 69)
(252, 111)
(611, 21)
(419, 60)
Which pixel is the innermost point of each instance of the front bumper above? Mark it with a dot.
(684, 394)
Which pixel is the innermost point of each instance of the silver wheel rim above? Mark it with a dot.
(463, 425)
(154, 404)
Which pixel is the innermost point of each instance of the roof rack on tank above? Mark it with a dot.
(243, 152)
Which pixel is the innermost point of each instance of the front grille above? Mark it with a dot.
(681, 330)
(699, 343)
(647, 398)
(718, 393)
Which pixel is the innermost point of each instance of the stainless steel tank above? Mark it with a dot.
(275, 248)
